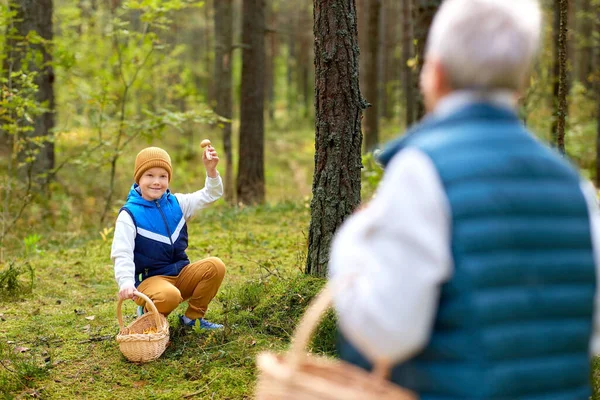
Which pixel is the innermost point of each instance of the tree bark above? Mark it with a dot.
(407, 71)
(36, 15)
(272, 51)
(596, 80)
(305, 62)
(560, 74)
(223, 84)
(251, 175)
(423, 15)
(291, 94)
(372, 77)
(585, 51)
(338, 137)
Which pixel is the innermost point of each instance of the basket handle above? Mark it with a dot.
(309, 322)
(148, 301)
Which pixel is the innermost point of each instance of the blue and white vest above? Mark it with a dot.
(515, 319)
(161, 238)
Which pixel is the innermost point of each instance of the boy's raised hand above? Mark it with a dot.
(210, 158)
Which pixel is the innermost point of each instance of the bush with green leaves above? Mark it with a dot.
(16, 280)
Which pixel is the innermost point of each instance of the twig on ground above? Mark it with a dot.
(187, 396)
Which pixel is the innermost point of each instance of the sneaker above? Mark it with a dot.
(204, 324)
(140, 311)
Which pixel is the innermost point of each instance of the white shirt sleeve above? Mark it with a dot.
(396, 254)
(594, 212)
(122, 250)
(192, 202)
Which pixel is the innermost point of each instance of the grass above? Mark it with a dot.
(58, 342)
(57, 337)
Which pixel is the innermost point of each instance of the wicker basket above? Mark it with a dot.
(300, 376)
(138, 346)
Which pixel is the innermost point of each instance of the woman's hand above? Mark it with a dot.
(210, 165)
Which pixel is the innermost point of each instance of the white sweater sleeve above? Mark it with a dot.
(192, 202)
(122, 250)
(594, 211)
(396, 254)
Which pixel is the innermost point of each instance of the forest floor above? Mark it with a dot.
(57, 340)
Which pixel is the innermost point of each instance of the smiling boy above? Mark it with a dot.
(150, 240)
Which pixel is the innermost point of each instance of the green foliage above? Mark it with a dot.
(372, 173)
(12, 280)
(31, 244)
(19, 108)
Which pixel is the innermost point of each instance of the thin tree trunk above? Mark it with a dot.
(424, 12)
(372, 77)
(210, 85)
(270, 61)
(383, 55)
(338, 110)
(597, 85)
(223, 84)
(560, 71)
(36, 15)
(407, 72)
(362, 14)
(291, 94)
(251, 175)
(304, 59)
(585, 51)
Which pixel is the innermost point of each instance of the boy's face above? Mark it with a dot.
(153, 183)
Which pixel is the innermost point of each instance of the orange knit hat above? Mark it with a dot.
(151, 157)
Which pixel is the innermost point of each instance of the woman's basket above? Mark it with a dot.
(300, 376)
(138, 346)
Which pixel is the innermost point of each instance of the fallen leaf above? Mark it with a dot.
(90, 318)
(86, 328)
(21, 349)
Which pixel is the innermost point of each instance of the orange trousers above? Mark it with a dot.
(197, 283)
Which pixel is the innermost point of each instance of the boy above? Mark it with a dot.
(150, 240)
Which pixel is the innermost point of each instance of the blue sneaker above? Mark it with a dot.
(140, 311)
(204, 324)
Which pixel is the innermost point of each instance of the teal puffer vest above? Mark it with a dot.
(515, 319)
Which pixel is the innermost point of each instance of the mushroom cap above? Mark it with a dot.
(204, 143)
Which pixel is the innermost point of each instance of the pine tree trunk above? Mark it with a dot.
(305, 62)
(560, 74)
(223, 84)
(272, 52)
(36, 15)
(338, 110)
(372, 77)
(585, 52)
(251, 175)
(291, 80)
(208, 63)
(597, 85)
(423, 15)
(407, 72)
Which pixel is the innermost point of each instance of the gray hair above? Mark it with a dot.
(486, 44)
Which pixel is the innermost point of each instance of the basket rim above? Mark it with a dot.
(161, 323)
